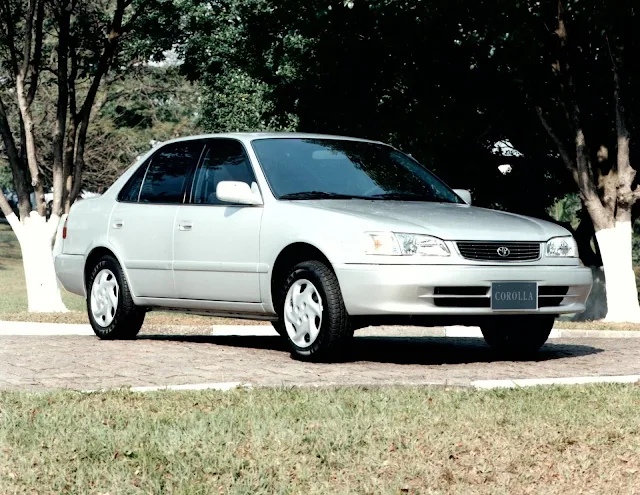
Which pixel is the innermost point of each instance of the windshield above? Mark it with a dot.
(343, 169)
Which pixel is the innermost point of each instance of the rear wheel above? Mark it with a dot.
(517, 335)
(112, 313)
(312, 313)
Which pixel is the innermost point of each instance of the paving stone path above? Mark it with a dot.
(86, 363)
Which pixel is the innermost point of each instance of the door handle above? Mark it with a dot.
(185, 226)
(117, 224)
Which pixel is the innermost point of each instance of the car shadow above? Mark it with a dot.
(399, 350)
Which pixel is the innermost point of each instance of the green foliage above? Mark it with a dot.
(143, 105)
(215, 46)
(394, 71)
(6, 181)
(566, 210)
(518, 57)
(149, 105)
(237, 102)
(80, 57)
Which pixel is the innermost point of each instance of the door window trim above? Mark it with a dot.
(200, 163)
(144, 177)
(188, 181)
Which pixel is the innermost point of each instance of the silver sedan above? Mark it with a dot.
(319, 234)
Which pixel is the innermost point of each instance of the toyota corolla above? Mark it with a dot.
(321, 235)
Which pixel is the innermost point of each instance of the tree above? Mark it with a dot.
(145, 105)
(71, 46)
(567, 68)
(215, 47)
(389, 70)
(148, 105)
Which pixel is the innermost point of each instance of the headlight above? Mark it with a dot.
(562, 247)
(397, 244)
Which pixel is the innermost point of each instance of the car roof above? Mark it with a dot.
(253, 136)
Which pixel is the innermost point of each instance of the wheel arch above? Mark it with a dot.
(94, 255)
(288, 257)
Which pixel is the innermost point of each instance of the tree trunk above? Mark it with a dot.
(35, 236)
(30, 145)
(620, 280)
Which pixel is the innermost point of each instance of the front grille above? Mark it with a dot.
(499, 251)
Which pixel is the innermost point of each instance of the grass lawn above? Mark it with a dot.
(391, 440)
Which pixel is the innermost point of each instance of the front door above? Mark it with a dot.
(216, 244)
(141, 225)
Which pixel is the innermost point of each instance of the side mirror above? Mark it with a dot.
(464, 194)
(238, 193)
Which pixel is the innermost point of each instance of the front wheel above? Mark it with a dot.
(517, 335)
(278, 326)
(312, 312)
(112, 313)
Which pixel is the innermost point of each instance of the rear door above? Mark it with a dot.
(141, 225)
(217, 244)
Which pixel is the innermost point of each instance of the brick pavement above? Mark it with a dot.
(77, 362)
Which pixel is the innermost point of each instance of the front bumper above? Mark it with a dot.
(417, 289)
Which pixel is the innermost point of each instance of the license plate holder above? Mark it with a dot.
(514, 296)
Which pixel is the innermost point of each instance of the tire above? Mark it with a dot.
(517, 335)
(315, 288)
(280, 328)
(119, 321)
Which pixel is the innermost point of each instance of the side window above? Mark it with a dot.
(129, 193)
(224, 160)
(167, 174)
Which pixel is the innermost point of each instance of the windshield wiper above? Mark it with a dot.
(319, 195)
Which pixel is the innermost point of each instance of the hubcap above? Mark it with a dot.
(104, 297)
(303, 313)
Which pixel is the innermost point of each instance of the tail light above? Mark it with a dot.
(64, 228)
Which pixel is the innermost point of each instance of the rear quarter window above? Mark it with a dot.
(131, 190)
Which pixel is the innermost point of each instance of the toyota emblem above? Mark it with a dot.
(503, 251)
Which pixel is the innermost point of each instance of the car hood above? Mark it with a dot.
(444, 220)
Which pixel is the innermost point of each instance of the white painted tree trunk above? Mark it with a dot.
(35, 236)
(620, 281)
